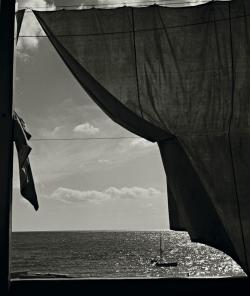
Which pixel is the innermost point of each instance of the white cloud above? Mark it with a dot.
(36, 4)
(86, 129)
(75, 196)
(138, 145)
(31, 28)
(169, 3)
(132, 193)
(141, 143)
(55, 132)
(72, 196)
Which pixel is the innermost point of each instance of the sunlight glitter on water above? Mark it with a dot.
(114, 255)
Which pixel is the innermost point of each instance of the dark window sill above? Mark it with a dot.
(168, 286)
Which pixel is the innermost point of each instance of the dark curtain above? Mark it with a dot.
(178, 76)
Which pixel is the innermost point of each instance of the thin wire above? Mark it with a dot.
(178, 2)
(81, 139)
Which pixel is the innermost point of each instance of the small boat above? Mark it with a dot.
(159, 261)
(166, 264)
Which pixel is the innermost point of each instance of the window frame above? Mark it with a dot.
(10, 286)
(170, 286)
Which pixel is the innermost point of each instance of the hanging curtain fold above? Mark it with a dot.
(21, 137)
(178, 76)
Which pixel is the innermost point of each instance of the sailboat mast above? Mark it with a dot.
(7, 17)
(161, 246)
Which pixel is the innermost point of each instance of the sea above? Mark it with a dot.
(115, 254)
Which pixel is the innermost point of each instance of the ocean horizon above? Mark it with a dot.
(114, 254)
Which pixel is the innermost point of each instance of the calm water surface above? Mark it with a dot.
(114, 254)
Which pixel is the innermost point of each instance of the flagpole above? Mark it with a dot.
(7, 17)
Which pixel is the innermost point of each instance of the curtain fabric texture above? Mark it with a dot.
(178, 76)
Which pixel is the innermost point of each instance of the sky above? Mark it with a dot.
(81, 185)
